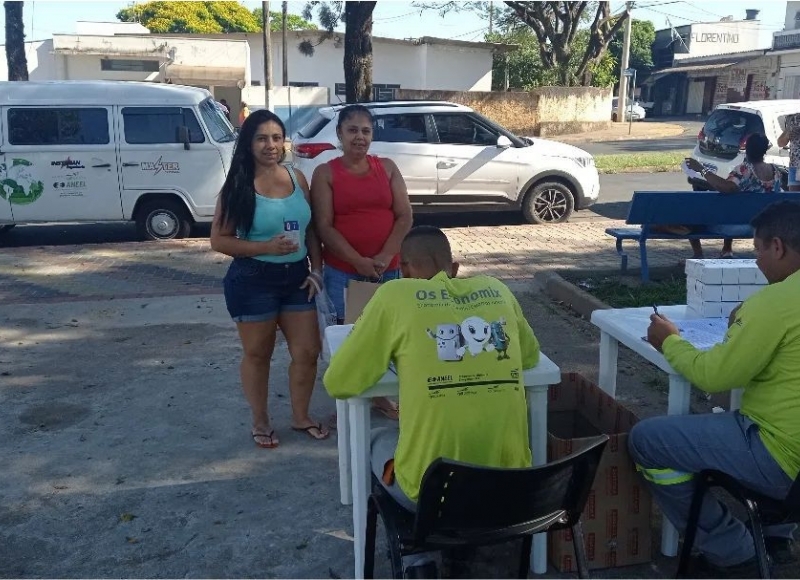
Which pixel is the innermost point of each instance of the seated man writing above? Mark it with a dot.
(759, 445)
(459, 347)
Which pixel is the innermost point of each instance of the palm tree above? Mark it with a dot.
(15, 42)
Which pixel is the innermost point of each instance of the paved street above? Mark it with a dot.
(72, 263)
(682, 142)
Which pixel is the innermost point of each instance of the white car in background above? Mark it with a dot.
(721, 141)
(450, 157)
(634, 109)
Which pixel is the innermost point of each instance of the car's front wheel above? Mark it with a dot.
(549, 202)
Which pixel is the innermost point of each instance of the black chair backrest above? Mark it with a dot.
(460, 502)
(792, 502)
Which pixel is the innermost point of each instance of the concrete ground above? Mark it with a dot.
(124, 435)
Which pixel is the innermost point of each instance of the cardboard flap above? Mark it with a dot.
(356, 296)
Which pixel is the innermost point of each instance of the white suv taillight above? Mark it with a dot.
(311, 150)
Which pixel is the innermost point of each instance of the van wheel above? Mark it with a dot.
(550, 202)
(163, 220)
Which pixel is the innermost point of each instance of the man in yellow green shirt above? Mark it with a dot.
(459, 346)
(759, 445)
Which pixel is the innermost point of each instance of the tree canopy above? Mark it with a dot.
(572, 37)
(204, 17)
(643, 34)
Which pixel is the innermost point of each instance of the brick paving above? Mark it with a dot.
(144, 269)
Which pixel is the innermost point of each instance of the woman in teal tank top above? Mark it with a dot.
(263, 221)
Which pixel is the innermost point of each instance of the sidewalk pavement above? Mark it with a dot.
(141, 269)
(124, 435)
(619, 132)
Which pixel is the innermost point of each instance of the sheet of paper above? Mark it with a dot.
(690, 172)
(703, 333)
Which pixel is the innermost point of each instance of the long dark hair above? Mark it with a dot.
(353, 111)
(237, 197)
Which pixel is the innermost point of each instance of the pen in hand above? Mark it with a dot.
(655, 309)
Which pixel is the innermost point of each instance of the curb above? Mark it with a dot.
(559, 289)
(589, 138)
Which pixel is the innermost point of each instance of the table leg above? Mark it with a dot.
(680, 391)
(609, 350)
(736, 399)
(343, 441)
(359, 453)
(537, 429)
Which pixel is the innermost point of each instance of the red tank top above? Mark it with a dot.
(362, 211)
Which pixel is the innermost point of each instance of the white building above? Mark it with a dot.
(230, 65)
(786, 47)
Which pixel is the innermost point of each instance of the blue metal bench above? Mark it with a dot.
(688, 208)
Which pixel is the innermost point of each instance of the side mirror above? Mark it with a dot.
(183, 137)
(504, 142)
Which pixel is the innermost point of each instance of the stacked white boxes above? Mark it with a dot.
(715, 287)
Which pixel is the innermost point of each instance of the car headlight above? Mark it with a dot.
(584, 161)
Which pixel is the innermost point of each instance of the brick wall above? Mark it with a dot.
(541, 112)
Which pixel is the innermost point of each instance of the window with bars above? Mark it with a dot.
(126, 65)
(380, 92)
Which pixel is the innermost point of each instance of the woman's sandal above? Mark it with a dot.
(318, 427)
(392, 413)
(270, 442)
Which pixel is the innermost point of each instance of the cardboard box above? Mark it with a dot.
(356, 296)
(616, 521)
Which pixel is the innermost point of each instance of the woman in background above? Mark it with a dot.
(263, 221)
(362, 213)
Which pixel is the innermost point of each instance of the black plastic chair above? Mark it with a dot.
(463, 505)
(761, 510)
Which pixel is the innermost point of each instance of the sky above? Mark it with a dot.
(401, 19)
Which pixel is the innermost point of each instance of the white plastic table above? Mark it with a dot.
(353, 424)
(628, 326)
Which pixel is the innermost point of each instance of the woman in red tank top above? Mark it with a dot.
(361, 213)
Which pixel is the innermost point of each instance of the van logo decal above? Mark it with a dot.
(17, 184)
(158, 166)
(68, 164)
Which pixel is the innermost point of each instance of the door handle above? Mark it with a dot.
(130, 165)
(102, 165)
(446, 164)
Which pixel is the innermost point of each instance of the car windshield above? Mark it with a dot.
(220, 128)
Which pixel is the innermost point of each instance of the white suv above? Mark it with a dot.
(720, 143)
(451, 156)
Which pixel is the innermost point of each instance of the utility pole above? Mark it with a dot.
(491, 16)
(267, 53)
(284, 53)
(622, 103)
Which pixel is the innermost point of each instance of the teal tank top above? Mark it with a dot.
(289, 216)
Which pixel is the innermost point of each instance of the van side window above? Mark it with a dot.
(57, 126)
(147, 125)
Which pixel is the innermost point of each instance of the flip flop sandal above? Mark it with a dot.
(307, 431)
(393, 414)
(271, 444)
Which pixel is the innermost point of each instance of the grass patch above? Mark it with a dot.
(626, 293)
(650, 162)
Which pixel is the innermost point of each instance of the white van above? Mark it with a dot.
(89, 151)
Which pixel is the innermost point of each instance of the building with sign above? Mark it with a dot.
(698, 66)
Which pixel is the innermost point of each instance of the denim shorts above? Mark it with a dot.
(336, 281)
(256, 291)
